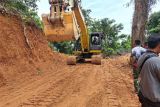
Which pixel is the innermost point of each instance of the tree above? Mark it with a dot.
(140, 18)
(126, 42)
(111, 31)
(154, 23)
(20, 5)
(26, 8)
(113, 40)
(88, 19)
(66, 47)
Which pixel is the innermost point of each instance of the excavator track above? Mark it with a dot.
(96, 59)
(71, 60)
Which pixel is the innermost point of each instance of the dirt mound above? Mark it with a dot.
(24, 51)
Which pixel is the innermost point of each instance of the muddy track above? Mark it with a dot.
(83, 85)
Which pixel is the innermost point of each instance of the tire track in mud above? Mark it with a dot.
(83, 85)
(104, 97)
(90, 85)
(20, 95)
(116, 91)
(120, 86)
(56, 93)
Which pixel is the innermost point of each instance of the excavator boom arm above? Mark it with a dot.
(82, 25)
(66, 22)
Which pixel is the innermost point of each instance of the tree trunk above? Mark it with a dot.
(139, 20)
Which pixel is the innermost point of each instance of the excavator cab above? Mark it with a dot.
(96, 41)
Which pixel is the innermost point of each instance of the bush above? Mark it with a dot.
(63, 47)
(108, 51)
(26, 8)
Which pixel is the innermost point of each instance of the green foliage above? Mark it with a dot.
(63, 47)
(110, 29)
(113, 42)
(32, 17)
(20, 4)
(108, 51)
(26, 8)
(86, 14)
(154, 23)
(126, 42)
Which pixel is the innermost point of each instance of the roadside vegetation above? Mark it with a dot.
(154, 23)
(140, 18)
(27, 9)
(114, 43)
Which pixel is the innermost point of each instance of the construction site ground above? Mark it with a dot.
(33, 75)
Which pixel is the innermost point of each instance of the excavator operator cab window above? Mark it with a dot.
(95, 39)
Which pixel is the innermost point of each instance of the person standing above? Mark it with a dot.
(149, 78)
(145, 45)
(137, 51)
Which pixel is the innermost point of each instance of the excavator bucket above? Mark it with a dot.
(61, 30)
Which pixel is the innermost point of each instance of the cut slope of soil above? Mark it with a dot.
(24, 51)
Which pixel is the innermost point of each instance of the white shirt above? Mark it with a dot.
(138, 50)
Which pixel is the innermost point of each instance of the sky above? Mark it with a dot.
(112, 9)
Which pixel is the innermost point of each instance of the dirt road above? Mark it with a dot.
(32, 75)
(83, 85)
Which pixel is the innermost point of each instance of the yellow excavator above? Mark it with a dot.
(65, 23)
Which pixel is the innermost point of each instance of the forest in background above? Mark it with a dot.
(115, 41)
(27, 9)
